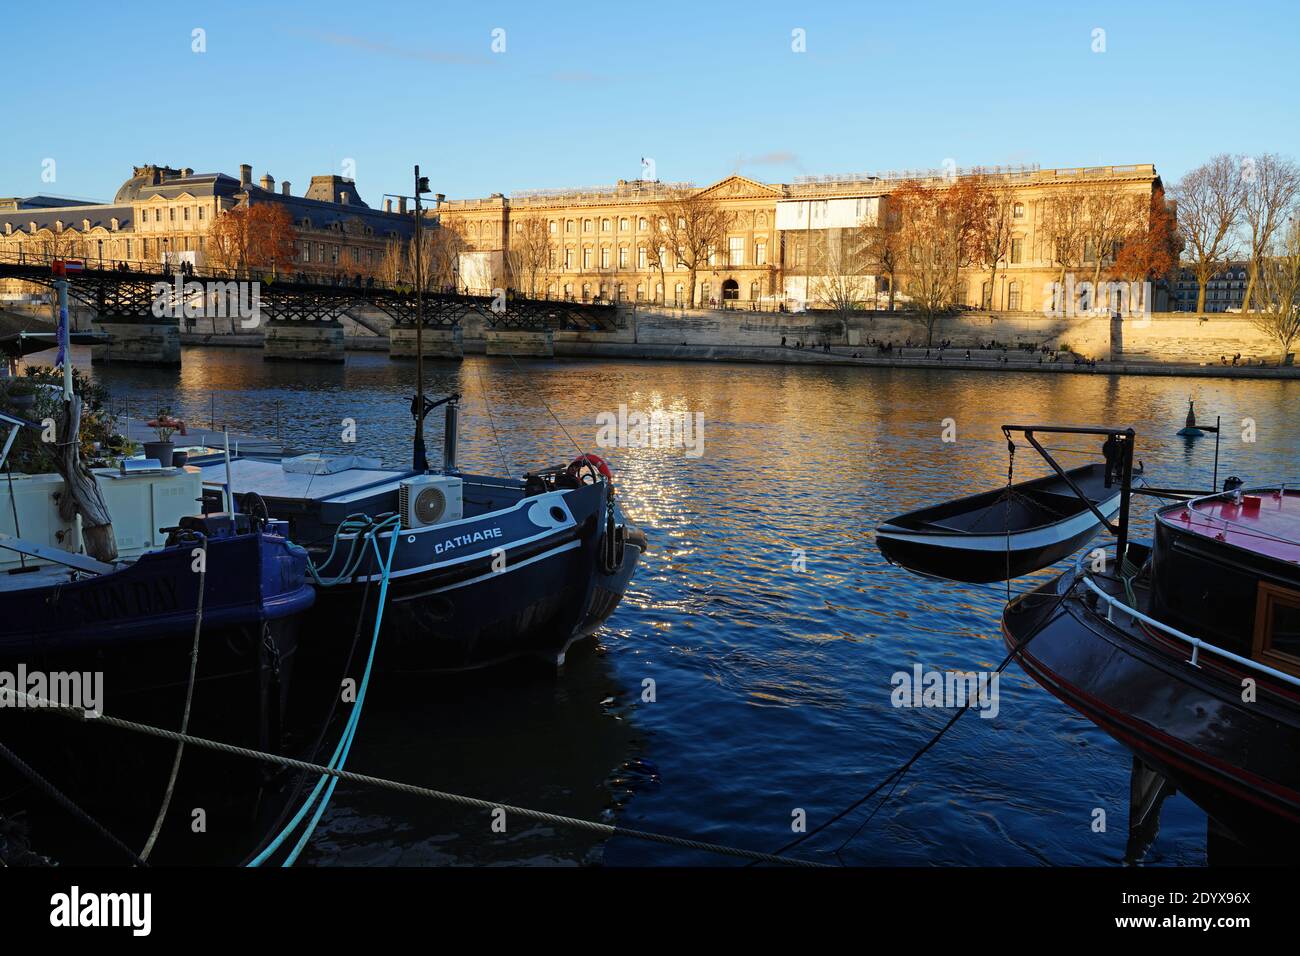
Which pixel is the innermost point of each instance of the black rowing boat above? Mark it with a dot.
(1002, 534)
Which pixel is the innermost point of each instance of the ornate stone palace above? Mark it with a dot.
(163, 214)
(597, 242)
(599, 238)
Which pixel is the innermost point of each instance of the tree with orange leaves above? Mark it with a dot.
(1150, 251)
(261, 236)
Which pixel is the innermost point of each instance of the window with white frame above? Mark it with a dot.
(736, 250)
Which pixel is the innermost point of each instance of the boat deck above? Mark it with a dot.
(1266, 523)
(44, 575)
(270, 480)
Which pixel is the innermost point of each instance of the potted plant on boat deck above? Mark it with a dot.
(165, 424)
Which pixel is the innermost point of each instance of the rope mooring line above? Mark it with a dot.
(189, 700)
(541, 816)
(59, 797)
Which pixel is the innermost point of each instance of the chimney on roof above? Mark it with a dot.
(388, 205)
(245, 175)
(187, 172)
(401, 205)
(268, 182)
(439, 199)
(284, 188)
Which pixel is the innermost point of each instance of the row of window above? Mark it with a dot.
(199, 214)
(606, 225)
(730, 290)
(735, 256)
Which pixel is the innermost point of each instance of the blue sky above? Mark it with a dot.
(583, 90)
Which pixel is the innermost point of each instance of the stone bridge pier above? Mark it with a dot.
(440, 342)
(134, 340)
(320, 340)
(528, 342)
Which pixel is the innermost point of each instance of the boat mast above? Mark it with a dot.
(420, 462)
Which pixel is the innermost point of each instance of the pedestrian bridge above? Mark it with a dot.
(143, 307)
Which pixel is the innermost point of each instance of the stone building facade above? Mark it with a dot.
(162, 215)
(1225, 291)
(600, 237)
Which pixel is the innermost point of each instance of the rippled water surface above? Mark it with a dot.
(771, 684)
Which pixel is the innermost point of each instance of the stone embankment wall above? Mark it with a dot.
(1164, 337)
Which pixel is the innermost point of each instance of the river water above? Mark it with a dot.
(747, 676)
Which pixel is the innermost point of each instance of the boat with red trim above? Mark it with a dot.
(1187, 651)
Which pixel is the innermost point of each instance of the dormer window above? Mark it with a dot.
(85, 225)
(58, 225)
(115, 224)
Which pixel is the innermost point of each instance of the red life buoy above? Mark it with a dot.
(594, 463)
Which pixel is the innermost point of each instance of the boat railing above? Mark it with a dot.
(1197, 645)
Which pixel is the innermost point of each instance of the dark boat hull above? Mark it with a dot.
(1237, 760)
(992, 558)
(540, 584)
(135, 628)
(994, 536)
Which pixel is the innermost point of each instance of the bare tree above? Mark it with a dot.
(696, 231)
(1278, 313)
(1065, 226)
(657, 255)
(884, 246)
(439, 250)
(393, 265)
(531, 249)
(931, 233)
(842, 269)
(992, 237)
(1210, 199)
(1111, 214)
(1270, 184)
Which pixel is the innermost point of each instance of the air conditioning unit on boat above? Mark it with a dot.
(430, 499)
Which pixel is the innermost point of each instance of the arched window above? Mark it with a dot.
(679, 293)
(1013, 296)
(622, 291)
(753, 292)
(586, 291)
(986, 296)
(659, 291)
(586, 225)
(568, 225)
(1018, 210)
(622, 225)
(604, 225)
(705, 289)
(640, 291)
(642, 224)
(568, 290)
